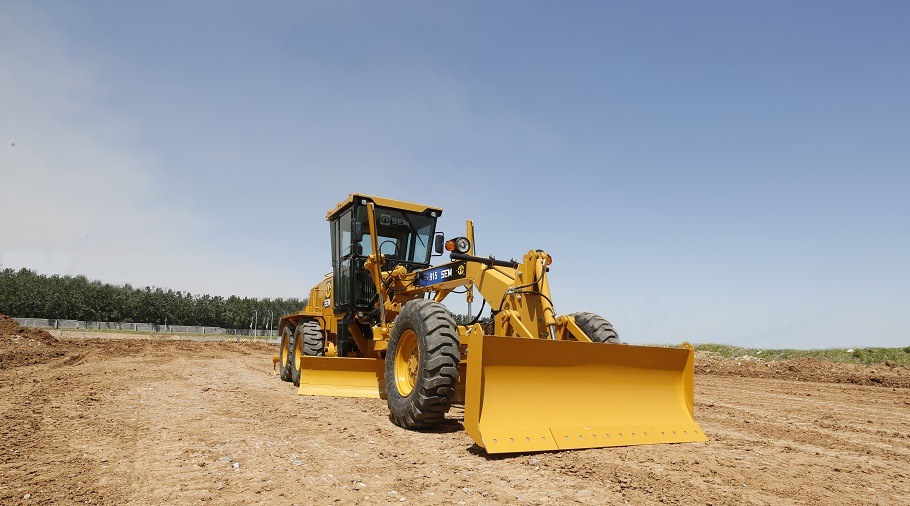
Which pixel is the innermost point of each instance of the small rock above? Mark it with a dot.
(534, 462)
(236, 465)
(402, 499)
(224, 459)
(27, 496)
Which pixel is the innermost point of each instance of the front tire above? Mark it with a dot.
(421, 365)
(597, 328)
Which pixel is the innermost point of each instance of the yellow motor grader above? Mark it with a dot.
(531, 379)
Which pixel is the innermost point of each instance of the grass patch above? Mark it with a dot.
(862, 356)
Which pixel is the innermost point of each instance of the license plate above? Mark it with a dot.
(443, 273)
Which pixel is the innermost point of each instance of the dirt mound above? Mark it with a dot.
(24, 346)
(805, 369)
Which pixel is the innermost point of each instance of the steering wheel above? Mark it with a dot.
(393, 243)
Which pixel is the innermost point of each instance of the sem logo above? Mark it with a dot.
(386, 220)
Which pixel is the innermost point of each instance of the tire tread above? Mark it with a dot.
(597, 328)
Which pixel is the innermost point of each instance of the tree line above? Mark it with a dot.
(26, 294)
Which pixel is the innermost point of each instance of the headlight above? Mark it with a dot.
(459, 245)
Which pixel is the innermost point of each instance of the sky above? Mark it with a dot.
(712, 172)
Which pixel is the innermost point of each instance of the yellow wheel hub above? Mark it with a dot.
(407, 359)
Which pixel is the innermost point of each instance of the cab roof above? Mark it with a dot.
(382, 202)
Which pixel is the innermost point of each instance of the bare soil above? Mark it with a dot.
(23, 346)
(141, 421)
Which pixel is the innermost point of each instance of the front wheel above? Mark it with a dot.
(421, 365)
(597, 328)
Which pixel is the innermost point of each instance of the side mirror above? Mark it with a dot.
(439, 243)
(358, 231)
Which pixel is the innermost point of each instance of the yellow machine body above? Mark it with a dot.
(342, 377)
(530, 380)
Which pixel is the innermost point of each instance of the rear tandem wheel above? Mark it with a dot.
(597, 328)
(307, 342)
(286, 353)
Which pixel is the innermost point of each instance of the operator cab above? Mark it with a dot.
(405, 233)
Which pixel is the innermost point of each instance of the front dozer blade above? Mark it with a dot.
(342, 377)
(527, 395)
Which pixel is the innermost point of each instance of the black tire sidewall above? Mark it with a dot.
(284, 368)
(404, 322)
(292, 356)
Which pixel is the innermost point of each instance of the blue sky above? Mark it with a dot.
(707, 171)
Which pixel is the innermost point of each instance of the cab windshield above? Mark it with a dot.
(401, 235)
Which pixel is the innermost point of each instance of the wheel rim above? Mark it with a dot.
(407, 361)
(284, 352)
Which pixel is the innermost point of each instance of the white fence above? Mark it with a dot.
(143, 327)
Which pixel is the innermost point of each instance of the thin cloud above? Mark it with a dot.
(80, 195)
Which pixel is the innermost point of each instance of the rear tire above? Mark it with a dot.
(313, 344)
(307, 342)
(286, 353)
(597, 328)
(295, 355)
(421, 365)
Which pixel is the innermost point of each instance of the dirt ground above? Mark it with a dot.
(139, 421)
